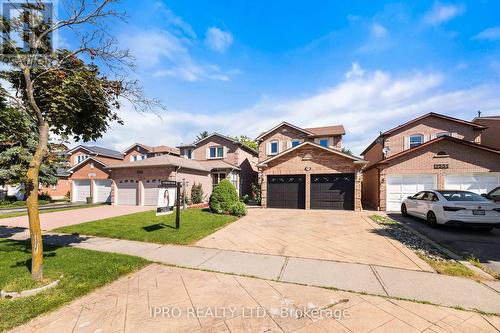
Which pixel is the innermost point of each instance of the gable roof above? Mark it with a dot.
(76, 166)
(284, 123)
(486, 118)
(98, 151)
(338, 152)
(163, 160)
(155, 149)
(327, 130)
(218, 164)
(430, 142)
(225, 137)
(430, 114)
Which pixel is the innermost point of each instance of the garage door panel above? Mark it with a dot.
(475, 182)
(151, 192)
(127, 193)
(286, 191)
(403, 186)
(332, 191)
(103, 190)
(81, 189)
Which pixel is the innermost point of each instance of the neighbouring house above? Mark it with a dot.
(60, 190)
(305, 168)
(224, 157)
(491, 135)
(433, 151)
(138, 151)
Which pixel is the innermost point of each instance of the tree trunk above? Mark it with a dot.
(32, 202)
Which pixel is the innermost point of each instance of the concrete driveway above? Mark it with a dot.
(318, 234)
(55, 220)
(464, 241)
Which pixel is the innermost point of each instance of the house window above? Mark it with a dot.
(442, 134)
(416, 140)
(273, 147)
(323, 142)
(216, 152)
(81, 158)
(234, 180)
(295, 143)
(138, 157)
(217, 178)
(188, 153)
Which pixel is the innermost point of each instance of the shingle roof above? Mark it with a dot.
(164, 160)
(327, 130)
(104, 151)
(155, 149)
(218, 164)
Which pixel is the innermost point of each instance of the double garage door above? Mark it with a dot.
(399, 187)
(327, 191)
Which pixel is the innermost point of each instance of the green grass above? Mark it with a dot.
(450, 267)
(20, 203)
(82, 270)
(146, 227)
(43, 211)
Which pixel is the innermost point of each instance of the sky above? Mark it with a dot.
(241, 67)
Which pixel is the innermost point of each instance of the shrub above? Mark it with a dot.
(44, 196)
(257, 193)
(196, 194)
(223, 195)
(246, 198)
(238, 209)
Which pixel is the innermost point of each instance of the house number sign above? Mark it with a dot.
(441, 166)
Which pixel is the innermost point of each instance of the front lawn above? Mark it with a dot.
(146, 227)
(82, 270)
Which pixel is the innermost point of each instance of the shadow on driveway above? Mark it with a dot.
(54, 239)
(467, 242)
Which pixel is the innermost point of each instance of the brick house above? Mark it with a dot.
(224, 157)
(491, 135)
(139, 151)
(433, 151)
(305, 168)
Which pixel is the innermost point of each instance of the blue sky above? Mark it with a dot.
(240, 67)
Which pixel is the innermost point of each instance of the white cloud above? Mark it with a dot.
(355, 71)
(492, 33)
(378, 30)
(218, 40)
(441, 13)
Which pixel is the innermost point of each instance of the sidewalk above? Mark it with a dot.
(376, 280)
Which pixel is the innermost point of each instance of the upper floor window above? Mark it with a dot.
(273, 147)
(81, 158)
(323, 142)
(216, 152)
(188, 153)
(295, 142)
(416, 140)
(442, 134)
(134, 158)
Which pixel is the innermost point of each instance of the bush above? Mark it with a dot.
(246, 199)
(257, 193)
(196, 194)
(223, 195)
(44, 197)
(238, 209)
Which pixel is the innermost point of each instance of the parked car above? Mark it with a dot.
(493, 195)
(460, 208)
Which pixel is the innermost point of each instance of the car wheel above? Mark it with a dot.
(431, 219)
(404, 212)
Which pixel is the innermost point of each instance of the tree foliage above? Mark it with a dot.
(202, 135)
(245, 140)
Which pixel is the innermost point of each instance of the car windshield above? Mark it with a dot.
(461, 196)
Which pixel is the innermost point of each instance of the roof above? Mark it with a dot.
(261, 135)
(99, 151)
(155, 149)
(225, 137)
(218, 164)
(356, 159)
(430, 114)
(327, 130)
(430, 142)
(76, 166)
(486, 118)
(163, 160)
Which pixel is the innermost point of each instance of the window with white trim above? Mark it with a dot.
(274, 147)
(188, 153)
(416, 140)
(134, 158)
(323, 142)
(218, 177)
(295, 142)
(216, 152)
(81, 158)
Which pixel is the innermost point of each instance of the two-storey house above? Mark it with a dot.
(433, 151)
(305, 168)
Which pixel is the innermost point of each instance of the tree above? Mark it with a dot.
(202, 135)
(62, 91)
(346, 151)
(245, 140)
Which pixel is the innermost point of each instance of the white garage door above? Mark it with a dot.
(81, 190)
(102, 191)
(150, 192)
(399, 187)
(474, 182)
(127, 192)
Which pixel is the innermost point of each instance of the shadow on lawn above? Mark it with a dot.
(48, 240)
(157, 226)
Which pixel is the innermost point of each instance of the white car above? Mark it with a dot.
(453, 208)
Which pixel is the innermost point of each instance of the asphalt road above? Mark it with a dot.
(464, 241)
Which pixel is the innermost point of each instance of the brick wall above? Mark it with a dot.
(200, 152)
(491, 136)
(319, 161)
(283, 134)
(63, 187)
(370, 189)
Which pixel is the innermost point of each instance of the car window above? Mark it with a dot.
(429, 196)
(461, 196)
(419, 195)
(495, 192)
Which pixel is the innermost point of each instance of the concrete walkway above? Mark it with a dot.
(64, 218)
(376, 280)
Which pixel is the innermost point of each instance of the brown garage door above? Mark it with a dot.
(332, 191)
(286, 191)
